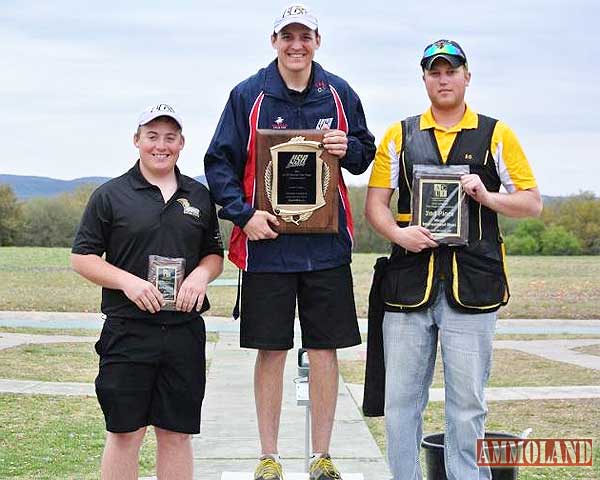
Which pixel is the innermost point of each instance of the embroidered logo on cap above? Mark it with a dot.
(294, 10)
(162, 107)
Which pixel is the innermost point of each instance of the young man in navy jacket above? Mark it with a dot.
(292, 92)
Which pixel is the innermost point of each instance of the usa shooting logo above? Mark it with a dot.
(279, 124)
(323, 123)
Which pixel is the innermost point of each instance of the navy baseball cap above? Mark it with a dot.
(449, 50)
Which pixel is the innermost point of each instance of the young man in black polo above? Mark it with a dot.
(152, 361)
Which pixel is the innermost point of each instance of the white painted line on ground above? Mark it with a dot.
(506, 393)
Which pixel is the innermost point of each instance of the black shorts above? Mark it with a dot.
(151, 375)
(325, 307)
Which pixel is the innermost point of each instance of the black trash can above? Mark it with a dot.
(433, 446)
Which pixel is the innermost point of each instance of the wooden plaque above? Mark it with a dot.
(297, 180)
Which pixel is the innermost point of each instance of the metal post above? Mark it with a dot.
(303, 398)
(307, 439)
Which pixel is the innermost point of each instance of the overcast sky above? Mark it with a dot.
(75, 74)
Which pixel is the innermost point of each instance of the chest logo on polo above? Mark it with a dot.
(279, 124)
(324, 123)
(187, 208)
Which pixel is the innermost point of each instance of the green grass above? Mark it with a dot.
(553, 287)
(549, 418)
(49, 438)
(55, 362)
(542, 287)
(510, 368)
(37, 259)
(41, 279)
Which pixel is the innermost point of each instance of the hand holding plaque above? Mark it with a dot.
(440, 203)
(166, 274)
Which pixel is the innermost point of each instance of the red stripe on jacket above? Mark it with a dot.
(238, 244)
(343, 125)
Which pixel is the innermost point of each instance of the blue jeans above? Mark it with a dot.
(410, 347)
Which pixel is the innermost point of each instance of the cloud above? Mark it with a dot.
(75, 74)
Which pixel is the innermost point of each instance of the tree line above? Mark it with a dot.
(568, 225)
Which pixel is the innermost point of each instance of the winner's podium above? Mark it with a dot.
(288, 476)
(302, 400)
(229, 440)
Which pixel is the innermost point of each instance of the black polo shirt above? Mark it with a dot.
(127, 219)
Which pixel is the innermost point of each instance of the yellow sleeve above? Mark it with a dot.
(386, 165)
(511, 163)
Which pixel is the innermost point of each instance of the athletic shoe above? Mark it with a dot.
(268, 469)
(322, 468)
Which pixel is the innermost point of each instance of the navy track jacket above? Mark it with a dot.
(263, 101)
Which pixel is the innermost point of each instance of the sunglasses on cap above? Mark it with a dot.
(443, 47)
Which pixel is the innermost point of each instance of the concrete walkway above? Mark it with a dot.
(497, 394)
(229, 438)
(9, 340)
(226, 324)
(557, 350)
(35, 387)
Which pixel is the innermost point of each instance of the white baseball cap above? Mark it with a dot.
(159, 110)
(295, 13)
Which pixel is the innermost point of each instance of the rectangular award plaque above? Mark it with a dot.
(166, 274)
(440, 204)
(297, 180)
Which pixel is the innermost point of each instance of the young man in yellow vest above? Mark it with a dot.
(431, 291)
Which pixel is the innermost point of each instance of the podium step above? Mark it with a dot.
(288, 476)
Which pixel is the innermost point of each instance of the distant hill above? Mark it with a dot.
(26, 187)
(547, 199)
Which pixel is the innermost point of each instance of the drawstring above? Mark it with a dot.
(236, 308)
